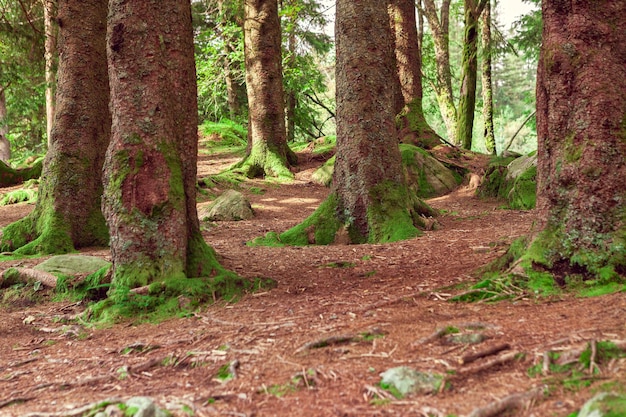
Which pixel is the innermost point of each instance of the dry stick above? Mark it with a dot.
(592, 359)
(500, 360)
(545, 368)
(487, 352)
(77, 411)
(513, 401)
(17, 400)
(327, 341)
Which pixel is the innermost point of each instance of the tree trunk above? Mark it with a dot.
(490, 139)
(234, 88)
(413, 126)
(268, 153)
(440, 28)
(581, 114)
(51, 61)
(291, 101)
(150, 170)
(67, 214)
(5, 146)
(469, 68)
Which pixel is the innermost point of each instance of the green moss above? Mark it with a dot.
(319, 228)
(391, 216)
(519, 193)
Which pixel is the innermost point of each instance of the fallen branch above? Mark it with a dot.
(511, 402)
(18, 400)
(500, 360)
(327, 341)
(78, 411)
(487, 352)
(24, 275)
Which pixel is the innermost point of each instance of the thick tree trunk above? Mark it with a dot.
(268, 153)
(581, 114)
(489, 135)
(372, 197)
(469, 68)
(51, 60)
(443, 87)
(67, 214)
(150, 171)
(413, 126)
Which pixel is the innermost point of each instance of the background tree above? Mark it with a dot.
(469, 69)
(67, 214)
(267, 153)
(51, 59)
(487, 83)
(150, 171)
(581, 103)
(413, 125)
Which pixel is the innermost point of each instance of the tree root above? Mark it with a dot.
(513, 401)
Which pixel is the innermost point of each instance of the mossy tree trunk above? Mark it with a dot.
(235, 94)
(5, 146)
(487, 92)
(414, 128)
(67, 214)
(373, 200)
(51, 60)
(581, 126)
(440, 27)
(469, 68)
(268, 153)
(150, 171)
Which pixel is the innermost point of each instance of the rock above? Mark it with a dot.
(72, 264)
(145, 407)
(231, 205)
(409, 381)
(604, 404)
(520, 165)
(425, 174)
(324, 174)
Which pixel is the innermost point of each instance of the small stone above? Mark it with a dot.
(410, 381)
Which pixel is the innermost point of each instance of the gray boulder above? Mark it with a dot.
(231, 205)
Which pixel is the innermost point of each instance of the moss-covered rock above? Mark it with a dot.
(514, 181)
(230, 206)
(324, 174)
(604, 404)
(425, 175)
(72, 264)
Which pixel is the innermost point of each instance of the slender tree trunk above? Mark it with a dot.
(268, 153)
(490, 140)
(150, 171)
(51, 61)
(413, 129)
(67, 214)
(469, 68)
(443, 87)
(234, 88)
(291, 101)
(5, 146)
(581, 108)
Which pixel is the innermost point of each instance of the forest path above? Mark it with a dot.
(379, 301)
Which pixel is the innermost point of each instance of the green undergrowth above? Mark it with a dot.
(321, 146)
(546, 267)
(519, 193)
(224, 136)
(22, 195)
(579, 372)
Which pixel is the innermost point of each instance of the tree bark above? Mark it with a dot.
(581, 114)
(487, 92)
(150, 170)
(469, 68)
(67, 214)
(413, 126)
(5, 146)
(234, 87)
(51, 60)
(440, 27)
(268, 153)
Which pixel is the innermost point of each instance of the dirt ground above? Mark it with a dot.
(374, 306)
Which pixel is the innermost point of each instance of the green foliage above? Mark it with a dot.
(23, 195)
(223, 136)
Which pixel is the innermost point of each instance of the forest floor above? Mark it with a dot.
(369, 307)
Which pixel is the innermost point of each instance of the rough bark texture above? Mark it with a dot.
(51, 58)
(150, 172)
(469, 68)
(373, 200)
(440, 27)
(234, 89)
(488, 132)
(268, 153)
(67, 214)
(413, 126)
(581, 126)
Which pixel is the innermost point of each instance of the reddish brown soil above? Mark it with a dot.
(399, 290)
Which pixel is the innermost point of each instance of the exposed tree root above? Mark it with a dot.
(14, 275)
(511, 402)
(487, 352)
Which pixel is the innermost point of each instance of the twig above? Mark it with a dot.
(487, 352)
(513, 401)
(17, 400)
(545, 367)
(500, 360)
(327, 341)
(77, 411)
(592, 358)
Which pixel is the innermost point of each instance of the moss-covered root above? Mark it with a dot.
(10, 176)
(267, 163)
(396, 216)
(37, 234)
